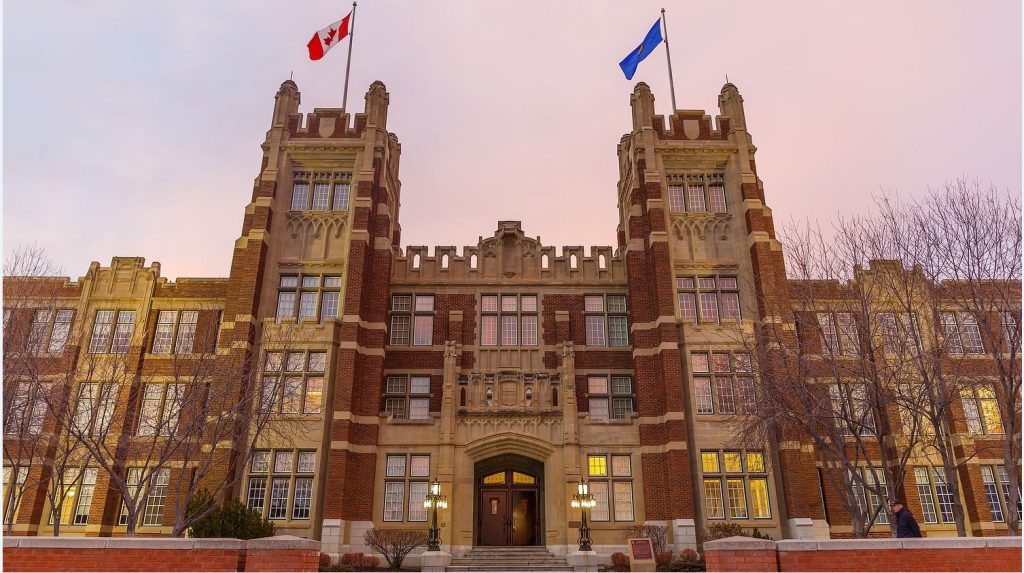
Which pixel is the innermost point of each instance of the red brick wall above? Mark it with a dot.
(78, 559)
(949, 554)
(281, 553)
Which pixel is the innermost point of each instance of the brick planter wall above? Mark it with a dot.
(936, 554)
(282, 553)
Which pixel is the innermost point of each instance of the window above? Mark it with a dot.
(723, 383)
(407, 397)
(161, 409)
(934, 493)
(703, 193)
(74, 494)
(293, 382)
(876, 480)
(412, 314)
(323, 185)
(963, 337)
(49, 330)
(509, 319)
(981, 410)
(1011, 330)
(283, 471)
(605, 320)
(611, 484)
(718, 297)
(995, 505)
(402, 473)
(120, 323)
(614, 401)
(176, 327)
(951, 333)
(838, 333)
(95, 407)
(318, 297)
(735, 485)
(151, 508)
(27, 410)
(899, 336)
(11, 508)
(851, 409)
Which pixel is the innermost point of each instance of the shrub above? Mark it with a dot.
(688, 560)
(662, 559)
(232, 520)
(360, 561)
(758, 535)
(325, 561)
(620, 561)
(721, 531)
(394, 544)
(658, 535)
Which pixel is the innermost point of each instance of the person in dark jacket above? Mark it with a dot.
(906, 525)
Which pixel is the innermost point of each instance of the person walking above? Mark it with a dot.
(906, 525)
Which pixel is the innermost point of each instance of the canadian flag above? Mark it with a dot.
(328, 38)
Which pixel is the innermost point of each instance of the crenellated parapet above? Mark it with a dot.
(509, 255)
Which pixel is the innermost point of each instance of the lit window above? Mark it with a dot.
(726, 485)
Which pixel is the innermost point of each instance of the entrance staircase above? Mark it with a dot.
(509, 559)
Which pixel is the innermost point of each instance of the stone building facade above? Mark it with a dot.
(508, 369)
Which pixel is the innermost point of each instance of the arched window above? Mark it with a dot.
(472, 262)
(572, 262)
(601, 262)
(416, 261)
(444, 261)
(544, 261)
(462, 397)
(554, 396)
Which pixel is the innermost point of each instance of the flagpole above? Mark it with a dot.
(348, 63)
(668, 52)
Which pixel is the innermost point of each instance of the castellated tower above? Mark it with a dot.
(703, 266)
(309, 279)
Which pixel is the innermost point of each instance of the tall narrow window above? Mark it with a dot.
(101, 328)
(300, 196)
(829, 337)
(342, 191)
(123, 332)
(320, 193)
(1011, 330)
(972, 334)
(988, 478)
(716, 195)
(926, 495)
(951, 333)
(676, 203)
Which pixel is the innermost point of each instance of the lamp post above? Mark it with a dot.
(436, 501)
(583, 500)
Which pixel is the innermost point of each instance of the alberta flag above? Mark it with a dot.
(651, 41)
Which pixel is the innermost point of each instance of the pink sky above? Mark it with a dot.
(133, 128)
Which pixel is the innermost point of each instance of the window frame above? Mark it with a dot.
(610, 396)
(405, 396)
(498, 315)
(721, 479)
(605, 318)
(306, 375)
(609, 479)
(410, 315)
(339, 184)
(689, 288)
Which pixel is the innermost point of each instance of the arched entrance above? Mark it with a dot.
(509, 501)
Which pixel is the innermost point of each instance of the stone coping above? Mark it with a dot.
(278, 542)
(749, 544)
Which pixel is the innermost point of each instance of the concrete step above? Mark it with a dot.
(508, 567)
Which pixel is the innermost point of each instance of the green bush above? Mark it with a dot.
(232, 520)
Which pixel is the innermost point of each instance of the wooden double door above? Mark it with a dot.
(508, 511)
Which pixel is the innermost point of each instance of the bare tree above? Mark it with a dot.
(39, 345)
(194, 412)
(836, 380)
(395, 544)
(976, 233)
